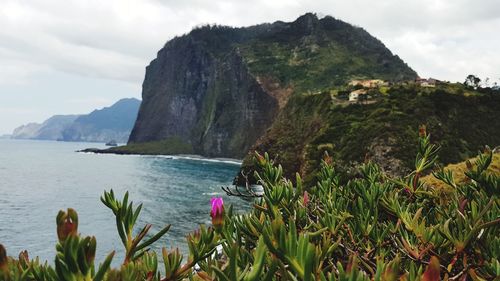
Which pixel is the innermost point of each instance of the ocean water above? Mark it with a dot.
(39, 178)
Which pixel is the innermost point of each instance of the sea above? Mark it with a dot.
(39, 178)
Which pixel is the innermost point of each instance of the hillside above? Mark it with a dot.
(50, 129)
(217, 89)
(281, 88)
(110, 123)
(459, 170)
(102, 125)
(459, 119)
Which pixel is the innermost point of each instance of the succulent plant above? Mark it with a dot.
(371, 227)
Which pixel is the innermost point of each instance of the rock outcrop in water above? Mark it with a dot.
(217, 89)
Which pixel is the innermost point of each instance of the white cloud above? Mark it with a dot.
(114, 40)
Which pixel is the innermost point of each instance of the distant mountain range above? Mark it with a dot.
(50, 129)
(102, 125)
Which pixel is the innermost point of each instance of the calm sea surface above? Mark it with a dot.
(39, 178)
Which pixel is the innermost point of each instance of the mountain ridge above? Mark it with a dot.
(217, 89)
(50, 129)
(285, 87)
(101, 125)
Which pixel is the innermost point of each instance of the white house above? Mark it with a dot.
(354, 95)
(428, 83)
(373, 83)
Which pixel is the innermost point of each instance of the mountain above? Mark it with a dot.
(50, 129)
(110, 123)
(284, 88)
(216, 90)
(27, 131)
(102, 125)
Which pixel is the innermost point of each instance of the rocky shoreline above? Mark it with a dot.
(118, 151)
(109, 151)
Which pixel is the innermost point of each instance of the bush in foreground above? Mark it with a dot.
(369, 228)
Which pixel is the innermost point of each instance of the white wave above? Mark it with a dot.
(176, 157)
(215, 160)
(212, 193)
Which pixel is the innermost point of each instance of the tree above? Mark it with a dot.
(472, 81)
(486, 82)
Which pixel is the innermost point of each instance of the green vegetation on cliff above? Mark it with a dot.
(315, 54)
(462, 121)
(220, 88)
(165, 147)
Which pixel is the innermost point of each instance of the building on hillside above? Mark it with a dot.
(373, 83)
(354, 95)
(428, 83)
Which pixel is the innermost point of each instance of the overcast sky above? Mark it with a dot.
(70, 56)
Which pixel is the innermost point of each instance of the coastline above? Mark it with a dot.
(117, 151)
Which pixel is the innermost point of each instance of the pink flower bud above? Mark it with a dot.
(217, 212)
(24, 258)
(422, 131)
(468, 164)
(306, 198)
(432, 273)
(67, 224)
(260, 159)
(462, 204)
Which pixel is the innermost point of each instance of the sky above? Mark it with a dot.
(74, 56)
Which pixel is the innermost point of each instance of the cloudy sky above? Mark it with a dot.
(72, 56)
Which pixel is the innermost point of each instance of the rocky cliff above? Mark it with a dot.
(102, 125)
(209, 101)
(50, 129)
(217, 89)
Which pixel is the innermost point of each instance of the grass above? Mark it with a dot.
(164, 147)
(458, 170)
(308, 69)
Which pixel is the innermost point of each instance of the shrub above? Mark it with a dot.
(369, 228)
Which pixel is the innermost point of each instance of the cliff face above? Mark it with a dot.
(50, 129)
(217, 89)
(102, 125)
(209, 101)
(27, 131)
